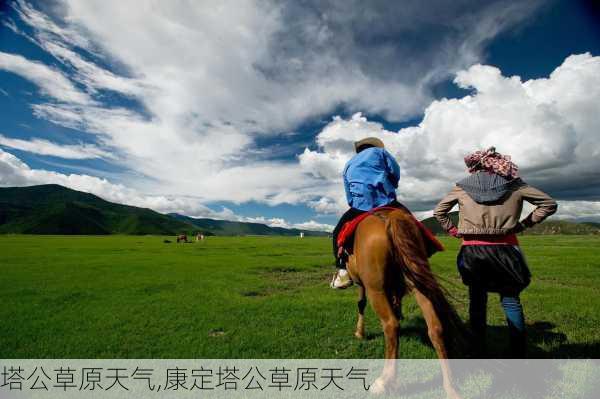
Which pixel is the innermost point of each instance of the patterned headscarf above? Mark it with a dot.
(492, 161)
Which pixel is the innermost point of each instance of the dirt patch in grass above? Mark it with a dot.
(253, 293)
(69, 299)
(287, 279)
(216, 332)
(156, 288)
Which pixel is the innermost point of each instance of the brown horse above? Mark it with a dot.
(390, 259)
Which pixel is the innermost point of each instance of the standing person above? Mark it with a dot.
(370, 181)
(490, 201)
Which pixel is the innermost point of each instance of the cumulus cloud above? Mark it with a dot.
(197, 106)
(548, 125)
(45, 147)
(200, 105)
(280, 222)
(312, 225)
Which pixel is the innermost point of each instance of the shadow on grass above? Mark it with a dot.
(529, 382)
(541, 333)
(542, 341)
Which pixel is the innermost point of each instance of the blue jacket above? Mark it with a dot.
(371, 178)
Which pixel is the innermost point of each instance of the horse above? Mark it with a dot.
(389, 259)
(182, 238)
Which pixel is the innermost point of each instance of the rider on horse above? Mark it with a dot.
(370, 181)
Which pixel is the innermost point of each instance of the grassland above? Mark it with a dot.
(254, 297)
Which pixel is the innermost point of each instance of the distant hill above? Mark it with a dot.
(432, 224)
(54, 209)
(564, 227)
(229, 228)
(546, 227)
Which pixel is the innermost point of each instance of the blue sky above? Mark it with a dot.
(248, 111)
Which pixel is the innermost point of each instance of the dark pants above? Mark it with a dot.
(346, 217)
(514, 318)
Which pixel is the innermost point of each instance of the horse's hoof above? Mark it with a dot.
(378, 387)
(359, 335)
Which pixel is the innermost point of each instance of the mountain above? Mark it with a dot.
(546, 227)
(564, 227)
(54, 209)
(229, 228)
(432, 224)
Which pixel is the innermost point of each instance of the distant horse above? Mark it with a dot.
(199, 237)
(182, 238)
(390, 259)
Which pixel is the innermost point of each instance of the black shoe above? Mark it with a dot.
(340, 261)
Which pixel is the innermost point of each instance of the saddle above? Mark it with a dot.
(345, 239)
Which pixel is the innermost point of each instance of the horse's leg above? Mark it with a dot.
(436, 335)
(382, 306)
(397, 304)
(362, 303)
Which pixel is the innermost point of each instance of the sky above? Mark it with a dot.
(248, 110)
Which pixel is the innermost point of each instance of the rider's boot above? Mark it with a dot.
(341, 279)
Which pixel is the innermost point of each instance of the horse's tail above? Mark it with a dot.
(409, 253)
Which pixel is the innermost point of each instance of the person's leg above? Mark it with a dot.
(346, 217)
(516, 325)
(337, 229)
(477, 318)
(341, 278)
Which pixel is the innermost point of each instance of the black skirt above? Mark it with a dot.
(497, 268)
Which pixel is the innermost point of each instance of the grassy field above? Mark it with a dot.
(254, 297)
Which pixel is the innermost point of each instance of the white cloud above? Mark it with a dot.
(325, 205)
(280, 222)
(205, 89)
(200, 105)
(421, 215)
(45, 147)
(92, 76)
(49, 80)
(579, 210)
(549, 126)
(312, 225)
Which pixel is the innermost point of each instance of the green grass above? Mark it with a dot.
(254, 297)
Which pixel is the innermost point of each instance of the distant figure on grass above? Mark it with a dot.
(490, 201)
(182, 238)
(199, 237)
(389, 258)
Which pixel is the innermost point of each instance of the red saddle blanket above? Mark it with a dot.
(431, 242)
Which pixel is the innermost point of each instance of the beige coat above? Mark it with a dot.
(500, 217)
